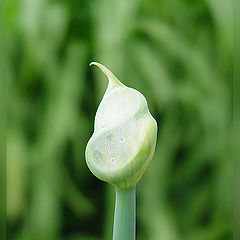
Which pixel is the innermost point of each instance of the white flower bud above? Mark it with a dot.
(124, 137)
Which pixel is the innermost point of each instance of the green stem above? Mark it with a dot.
(125, 214)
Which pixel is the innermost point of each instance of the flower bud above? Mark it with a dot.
(124, 137)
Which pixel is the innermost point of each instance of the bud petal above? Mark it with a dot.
(124, 137)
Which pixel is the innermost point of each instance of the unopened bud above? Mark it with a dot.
(124, 137)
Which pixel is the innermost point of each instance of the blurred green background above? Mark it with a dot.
(178, 53)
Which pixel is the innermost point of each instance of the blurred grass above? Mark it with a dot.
(178, 53)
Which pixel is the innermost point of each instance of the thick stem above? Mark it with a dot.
(125, 214)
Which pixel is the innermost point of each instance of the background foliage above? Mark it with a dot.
(178, 53)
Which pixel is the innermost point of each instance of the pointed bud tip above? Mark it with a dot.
(93, 63)
(113, 81)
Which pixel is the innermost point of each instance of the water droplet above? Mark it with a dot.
(113, 160)
(122, 140)
(109, 136)
(98, 157)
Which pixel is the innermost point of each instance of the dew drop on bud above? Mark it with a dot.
(113, 160)
(109, 137)
(98, 157)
